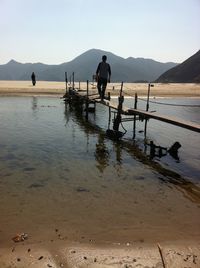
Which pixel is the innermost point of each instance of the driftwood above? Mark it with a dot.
(161, 255)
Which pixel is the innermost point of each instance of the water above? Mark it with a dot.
(57, 171)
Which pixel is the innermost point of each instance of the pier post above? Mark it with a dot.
(117, 120)
(73, 80)
(109, 118)
(147, 108)
(66, 81)
(148, 94)
(87, 101)
(134, 122)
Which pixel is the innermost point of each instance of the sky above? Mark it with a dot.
(57, 31)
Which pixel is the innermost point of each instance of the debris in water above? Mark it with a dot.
(20, 237)
(80, 189)
(40, 258)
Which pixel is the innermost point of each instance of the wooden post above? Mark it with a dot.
(134, 122)
(79, 86)
(147, 108)
(121, 89)
(87, 103)
(109, 118)
(66, 81)
(117, 120)
(147, 105)
(148, 94)
(73, 80)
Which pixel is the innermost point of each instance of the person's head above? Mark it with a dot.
(104, 58)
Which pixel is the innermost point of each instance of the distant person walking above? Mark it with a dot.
(103, 75)
(33, 78)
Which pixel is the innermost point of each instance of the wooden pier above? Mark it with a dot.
(144, 115)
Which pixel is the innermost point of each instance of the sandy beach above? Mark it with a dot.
(171, 255)
(129, 89)
(144, 245)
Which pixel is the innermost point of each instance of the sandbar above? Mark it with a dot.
(25, 88)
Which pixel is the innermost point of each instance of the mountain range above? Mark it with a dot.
(186, 72)
(84, 66)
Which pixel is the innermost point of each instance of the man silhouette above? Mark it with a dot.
(33, 78)
(103, 75)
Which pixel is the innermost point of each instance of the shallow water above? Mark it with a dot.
(59, 172)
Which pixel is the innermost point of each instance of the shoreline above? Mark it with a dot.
(58, 89)
(76, 254)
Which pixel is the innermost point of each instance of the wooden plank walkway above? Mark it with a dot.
(167, 119)
(146, 115)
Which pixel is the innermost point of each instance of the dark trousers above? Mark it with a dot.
(101, 85)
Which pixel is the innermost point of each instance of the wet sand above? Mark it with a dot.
(126, 243)
(176, 255)
(84, 231)
(129, 89)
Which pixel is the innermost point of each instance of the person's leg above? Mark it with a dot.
(104, 84)
(99, 86)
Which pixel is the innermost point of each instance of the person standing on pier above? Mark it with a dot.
(33, 78)
(103, 75)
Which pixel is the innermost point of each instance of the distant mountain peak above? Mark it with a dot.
(13, 62)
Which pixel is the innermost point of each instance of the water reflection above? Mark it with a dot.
(155, 150)
(188, 188)
(102, 154)
(34, 105)
(152, 150)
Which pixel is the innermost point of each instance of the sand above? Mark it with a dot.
(129, 89)
(62, 252)
(172, 255)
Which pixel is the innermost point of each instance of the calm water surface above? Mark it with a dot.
(58, 170)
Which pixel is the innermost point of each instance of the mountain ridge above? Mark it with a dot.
(84, 66)
(186, 72)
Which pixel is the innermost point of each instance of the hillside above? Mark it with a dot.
(186, 72)
(84, 66)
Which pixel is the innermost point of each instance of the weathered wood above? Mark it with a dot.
(144, 114)
(161, 255)
(168, 119)
(87, 100)
(134, 121)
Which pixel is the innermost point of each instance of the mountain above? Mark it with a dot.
(84, 66)
(186, 72)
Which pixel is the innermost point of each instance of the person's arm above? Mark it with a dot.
(98, 68)
(97, 72)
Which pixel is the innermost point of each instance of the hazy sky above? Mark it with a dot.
(56, 31)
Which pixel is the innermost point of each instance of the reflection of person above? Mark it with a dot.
(101, 154)
(103, 75)
(33, 78)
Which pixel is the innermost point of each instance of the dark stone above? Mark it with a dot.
(80, 189)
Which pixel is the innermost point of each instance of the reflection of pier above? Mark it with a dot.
(102, 154)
